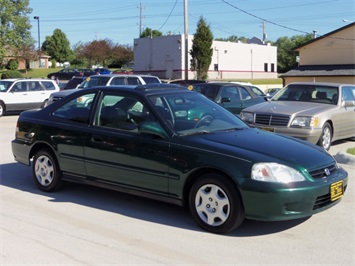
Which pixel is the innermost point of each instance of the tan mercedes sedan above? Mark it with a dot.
(317, 112)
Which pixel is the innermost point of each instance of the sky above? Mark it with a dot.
(121, 21)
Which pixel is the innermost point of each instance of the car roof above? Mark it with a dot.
(25, 79)
(320, 83)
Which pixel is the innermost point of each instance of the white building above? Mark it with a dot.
(164, 57)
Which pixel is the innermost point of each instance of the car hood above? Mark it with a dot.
(289, 108)
(256, 145)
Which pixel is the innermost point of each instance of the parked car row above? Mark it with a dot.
(172, 144)
(68, 73)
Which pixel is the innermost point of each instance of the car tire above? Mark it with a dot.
(2, 109)
(44, 104)
(46, 172)
(215, 204)
(325, 139)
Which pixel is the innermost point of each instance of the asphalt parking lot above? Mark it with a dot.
(82, 225)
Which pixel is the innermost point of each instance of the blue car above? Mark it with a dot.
(102, 71)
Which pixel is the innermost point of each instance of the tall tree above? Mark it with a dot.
(201, 51)
(286, 57)
(14, 25)
(57, 46)
(98, 51)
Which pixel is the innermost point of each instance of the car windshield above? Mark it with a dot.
(191, 113)
(5, 85)
(308, 93)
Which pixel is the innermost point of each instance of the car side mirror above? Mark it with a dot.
(152, 128)
(347, 103)
(225, 100)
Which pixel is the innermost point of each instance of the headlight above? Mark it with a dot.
(247, 117)
(305, 121)
(274, 172)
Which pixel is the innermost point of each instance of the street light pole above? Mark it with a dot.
(39, 35)
(186, 40)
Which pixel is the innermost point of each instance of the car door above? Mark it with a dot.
(116, 153)
(229, 98)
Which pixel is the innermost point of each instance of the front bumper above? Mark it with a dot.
(277, 202)
(310, 134)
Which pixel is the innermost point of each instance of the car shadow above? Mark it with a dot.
(19, 177)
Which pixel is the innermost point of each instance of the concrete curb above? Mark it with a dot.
(345, 158)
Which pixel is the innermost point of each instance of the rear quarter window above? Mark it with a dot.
(49, 86)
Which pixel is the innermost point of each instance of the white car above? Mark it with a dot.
(107, 80)
(25, 94)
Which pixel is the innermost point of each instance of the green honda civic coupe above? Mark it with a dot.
(171, 144)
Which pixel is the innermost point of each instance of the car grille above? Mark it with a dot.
(323, 172)
(324, 200)
(272, 119)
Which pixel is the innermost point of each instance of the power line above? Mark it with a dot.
(169, 15)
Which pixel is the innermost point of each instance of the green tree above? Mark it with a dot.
(57, 46)
(286, 56)
(148, 32)
(201, 51)
(14, 25)
(233, 38)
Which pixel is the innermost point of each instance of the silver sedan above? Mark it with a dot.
(313, 111)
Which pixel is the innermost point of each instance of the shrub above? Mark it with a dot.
(11, 74)
(12, 64)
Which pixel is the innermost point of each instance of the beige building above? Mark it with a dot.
(329, 58)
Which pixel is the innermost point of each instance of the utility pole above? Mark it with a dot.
(264, 32)
(140, 18)
(186, 41)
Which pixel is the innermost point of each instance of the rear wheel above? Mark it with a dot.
(45, 171)
(325, 139)
(215, 204)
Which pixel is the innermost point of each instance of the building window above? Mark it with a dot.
(272, 67)
(265, 67)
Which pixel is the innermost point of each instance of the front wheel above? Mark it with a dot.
(325, 139)
(2, 109)
(45, 171)
(215, 204)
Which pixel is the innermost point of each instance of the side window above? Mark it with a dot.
(121, 112)
(245, 94)
(34, 86)
(133, 81)
(76, 110)
(348, 93)
(49, 86)
(118, 81)
(231, 93)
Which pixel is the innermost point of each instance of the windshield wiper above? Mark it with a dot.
(199, 132)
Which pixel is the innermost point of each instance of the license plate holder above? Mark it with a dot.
(336, 190)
